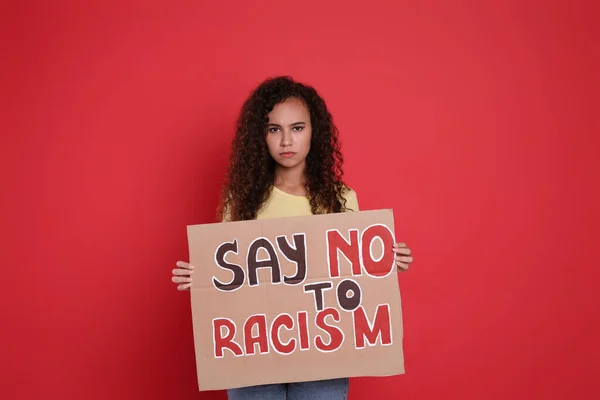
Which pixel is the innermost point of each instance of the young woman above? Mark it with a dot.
(285, 161)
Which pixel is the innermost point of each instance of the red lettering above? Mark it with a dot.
(336, 335)
(385, 265)
(226, 342)
(303, 330)
(262, 339)
(336, 242)
(287, 321)
(381, 326)
(331, 337)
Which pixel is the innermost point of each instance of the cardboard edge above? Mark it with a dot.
(390, 210)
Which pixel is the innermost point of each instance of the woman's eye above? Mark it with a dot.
(273, 130)
(298, 128)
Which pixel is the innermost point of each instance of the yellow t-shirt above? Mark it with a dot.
(281, 204)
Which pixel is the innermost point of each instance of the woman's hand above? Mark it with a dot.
(183, 275)
(403, 256)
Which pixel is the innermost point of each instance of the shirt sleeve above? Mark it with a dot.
(226, 216)
(351, 201)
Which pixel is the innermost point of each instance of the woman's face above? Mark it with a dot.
(289, 133)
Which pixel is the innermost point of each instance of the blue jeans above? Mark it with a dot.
(332, 389)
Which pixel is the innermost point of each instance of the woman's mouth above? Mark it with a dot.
(287, 154)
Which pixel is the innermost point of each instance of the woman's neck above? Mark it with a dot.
(291, 180)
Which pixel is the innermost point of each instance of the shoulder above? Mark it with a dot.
(351, 198)
(226, 216)
(348, 192)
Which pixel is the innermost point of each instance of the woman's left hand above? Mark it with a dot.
(403, 256)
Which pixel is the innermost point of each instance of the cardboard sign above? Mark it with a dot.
(295, 299)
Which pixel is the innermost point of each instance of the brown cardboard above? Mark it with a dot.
(263, 302)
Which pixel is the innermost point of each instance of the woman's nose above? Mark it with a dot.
(286, 139)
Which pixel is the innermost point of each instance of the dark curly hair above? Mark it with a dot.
(250, 176)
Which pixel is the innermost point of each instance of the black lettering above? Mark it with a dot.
(295, 254)
(349, 303)
(318, 289)
(238, 272)
(254, 264)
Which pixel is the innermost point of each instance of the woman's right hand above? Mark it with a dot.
(183, 275)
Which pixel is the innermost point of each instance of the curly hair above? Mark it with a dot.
(251, 172)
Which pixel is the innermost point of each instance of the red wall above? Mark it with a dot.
(476, 121)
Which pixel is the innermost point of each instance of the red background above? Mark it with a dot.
(476, 121)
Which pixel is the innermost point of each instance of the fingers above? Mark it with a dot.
(182, 275)
(406, 260)
(403, 256)
(403, 262)
(179, 271)
(184, 282)
(184, 268)
(183, 264)
(181, 279)
(402, 266)
(401, 248)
